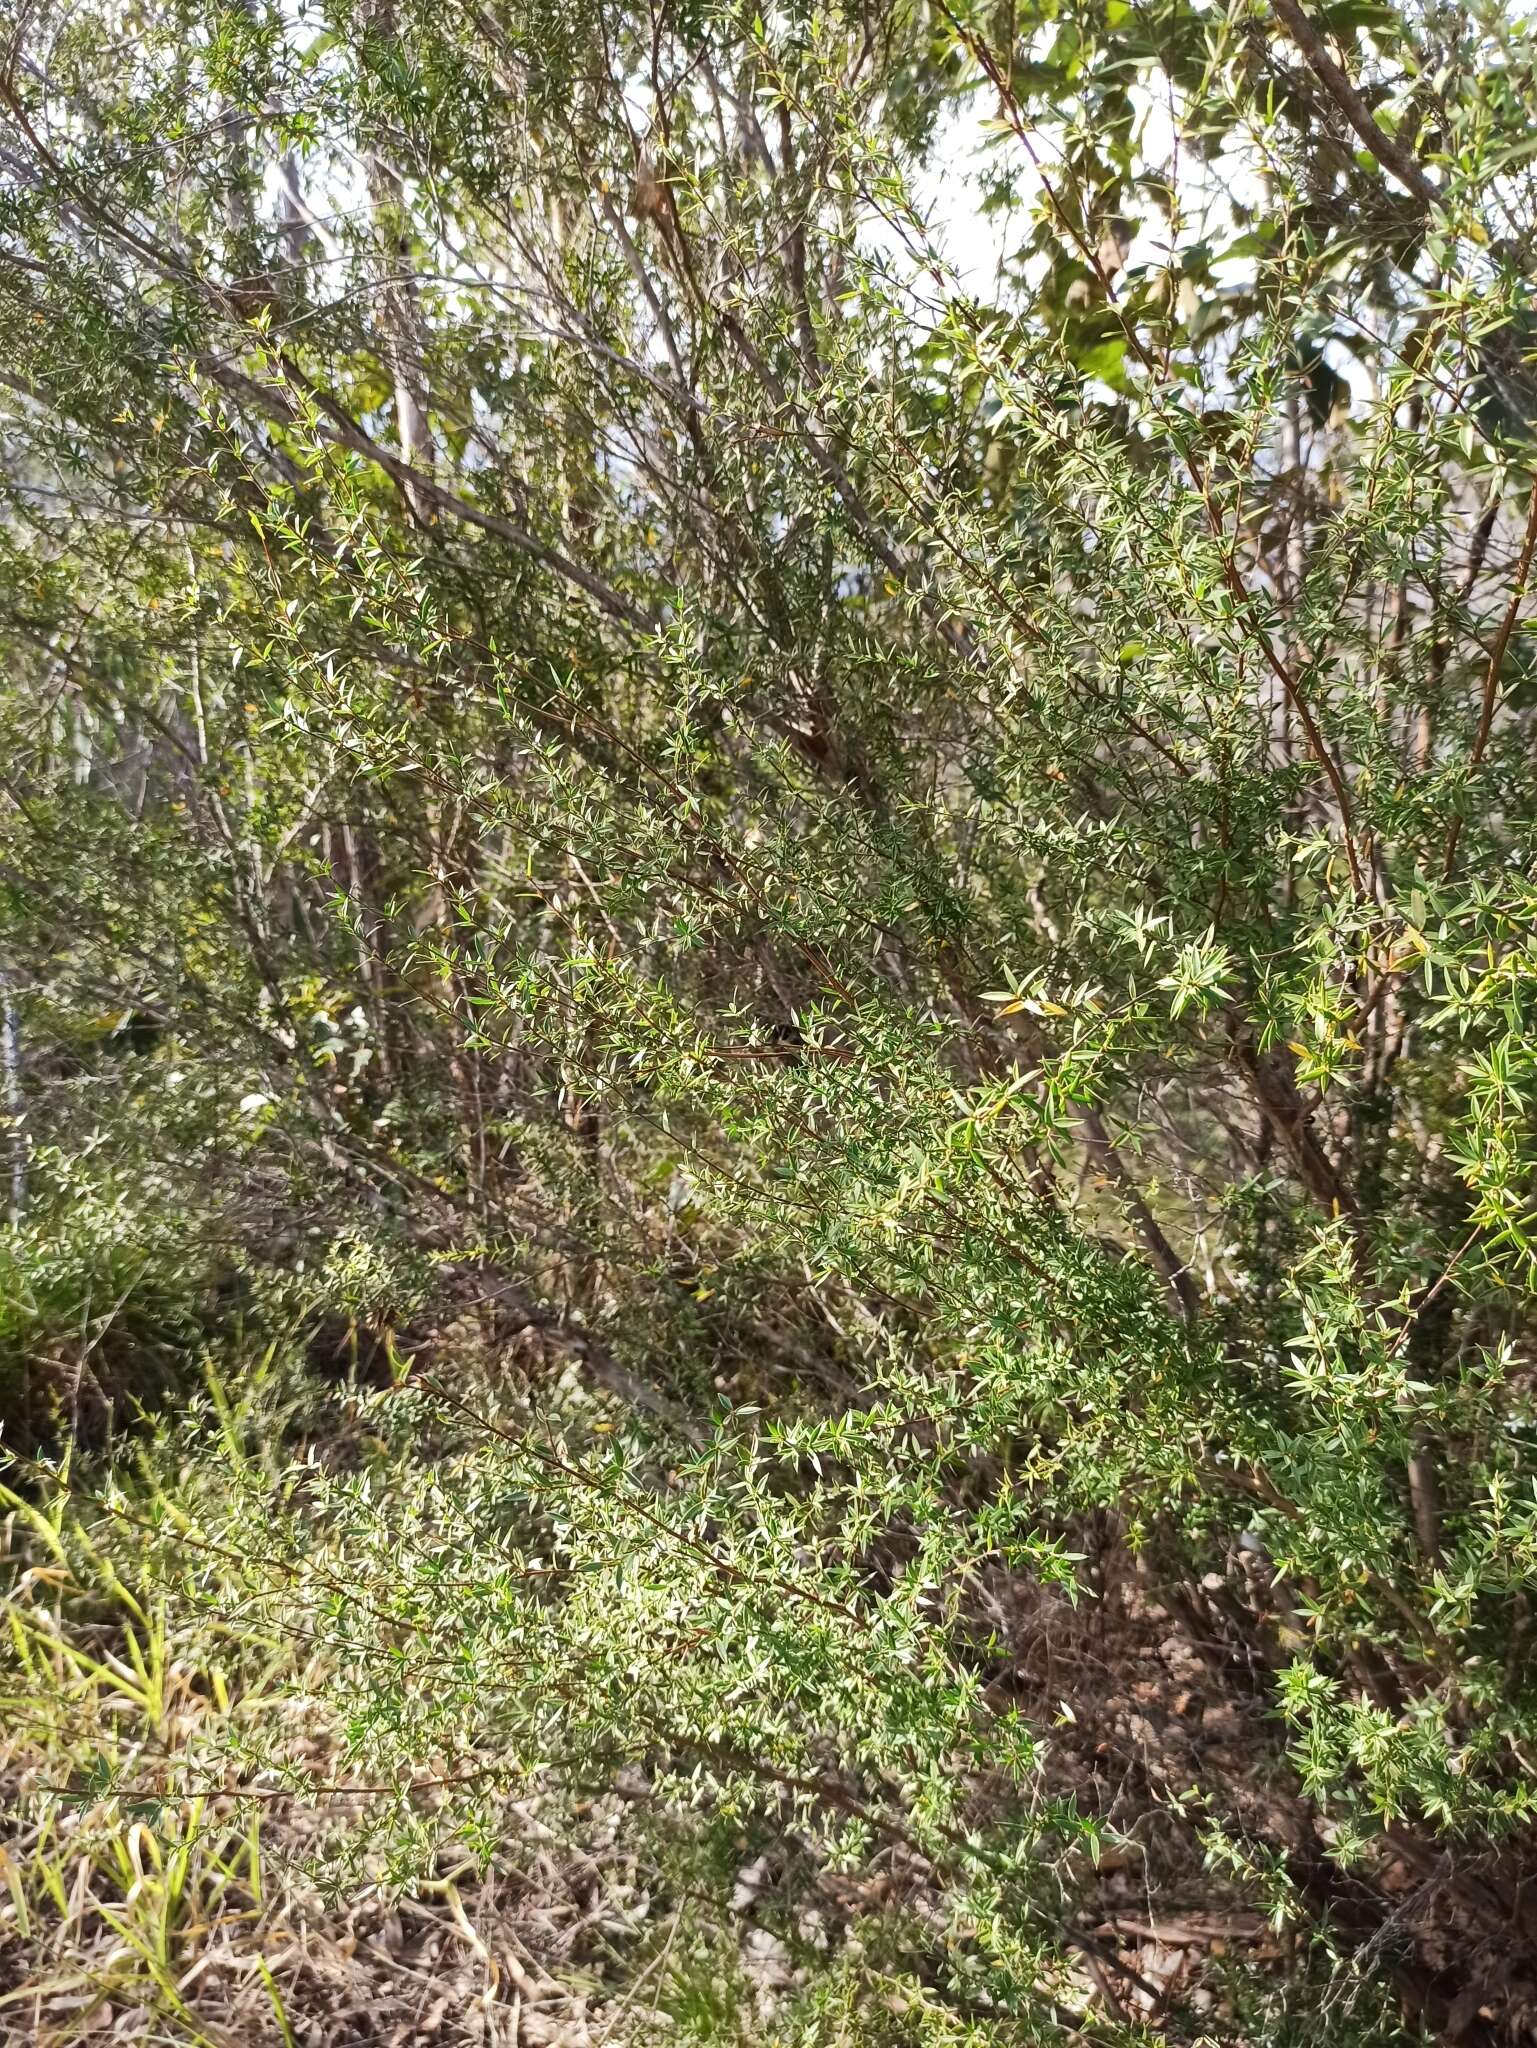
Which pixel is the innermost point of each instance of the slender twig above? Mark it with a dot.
(1492, 672)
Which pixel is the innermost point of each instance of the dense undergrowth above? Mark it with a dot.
(766, 989)
(366, 1717)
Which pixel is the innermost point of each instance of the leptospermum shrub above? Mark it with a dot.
(797, 747)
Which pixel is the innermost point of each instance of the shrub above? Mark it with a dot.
(872, 911)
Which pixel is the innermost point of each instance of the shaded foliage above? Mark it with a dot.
(857, 920)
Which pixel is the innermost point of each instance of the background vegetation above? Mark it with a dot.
(768, 971)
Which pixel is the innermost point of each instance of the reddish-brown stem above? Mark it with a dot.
(1497, 655)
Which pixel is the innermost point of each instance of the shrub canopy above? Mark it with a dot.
(794, 747)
